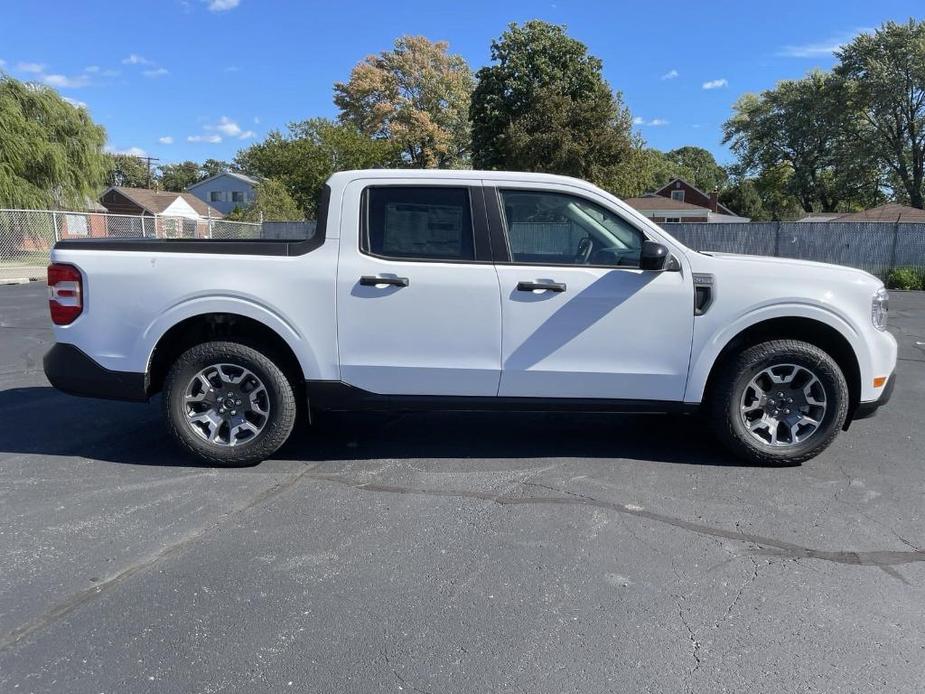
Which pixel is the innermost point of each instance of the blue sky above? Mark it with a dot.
(194, 79)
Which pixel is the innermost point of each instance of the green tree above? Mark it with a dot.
(543, 105)
(802, 127)
(127, 170)
(178, 177)
(883, 81)
(697, 166)
(416, 95)
(272, 203)
(303, 158)
(743, 198)
(213, 167)
(51, 153)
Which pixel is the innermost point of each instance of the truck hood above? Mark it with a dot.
(795, 267)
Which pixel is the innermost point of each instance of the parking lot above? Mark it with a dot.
(458, 552)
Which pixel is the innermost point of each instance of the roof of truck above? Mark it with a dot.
(466, 174)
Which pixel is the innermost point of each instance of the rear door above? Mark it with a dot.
(417, 295)
(580, 319)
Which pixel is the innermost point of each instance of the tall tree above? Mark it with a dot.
(883, 80)
(416, 95)
(272, 203)
(803, 126)
(51, 153)
(698, 166)
(178, 177)
(127, 170)
(303, 158)
(543, 105)
(213, 167)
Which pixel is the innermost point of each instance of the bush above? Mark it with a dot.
(905, 278)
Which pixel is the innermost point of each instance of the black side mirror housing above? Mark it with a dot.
(654, 256)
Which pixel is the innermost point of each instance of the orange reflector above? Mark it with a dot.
(879, 381)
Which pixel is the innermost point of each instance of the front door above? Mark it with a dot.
(580, 319)
(417, 295)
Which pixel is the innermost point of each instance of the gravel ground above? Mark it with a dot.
(453, 553)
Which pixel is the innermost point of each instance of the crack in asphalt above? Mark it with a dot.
(879, 558)
(77, 600)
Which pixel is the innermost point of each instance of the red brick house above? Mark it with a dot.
(682, 191)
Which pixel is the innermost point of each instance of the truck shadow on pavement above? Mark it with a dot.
(41, 421)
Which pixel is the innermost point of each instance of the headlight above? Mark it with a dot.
(880, 308)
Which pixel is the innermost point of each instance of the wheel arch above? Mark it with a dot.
(220, 325)
(816, 332)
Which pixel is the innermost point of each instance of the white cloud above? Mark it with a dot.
(716, 84)
(156, 72)
(166, 140)
(817, 49)
(232, 68)
(30, 67)
(135, 59)
(63, 81)
(230, 128)
(222, 5)
(213, 139)
(92, 68)
(74, 102)
(655, 122)
(257, 120)
(130, 151)
(2, 62)
(670, 75)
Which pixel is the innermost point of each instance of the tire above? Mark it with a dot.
(746, 402)
(258, 424)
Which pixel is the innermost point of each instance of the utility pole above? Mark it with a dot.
(149, 160)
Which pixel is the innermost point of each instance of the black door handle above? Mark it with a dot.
(548, 286)
(370, 281)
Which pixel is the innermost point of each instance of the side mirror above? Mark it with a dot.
(654, 256)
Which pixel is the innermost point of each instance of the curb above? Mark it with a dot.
(17, 280)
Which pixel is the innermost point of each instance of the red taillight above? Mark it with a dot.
(65, 293)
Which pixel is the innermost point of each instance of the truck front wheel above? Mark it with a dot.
(780, 402)
(228, 404)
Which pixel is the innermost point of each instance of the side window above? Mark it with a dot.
(425, 223)
(558, 229)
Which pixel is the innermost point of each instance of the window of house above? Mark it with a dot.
(557, 229)
(672, 220)
(426, 223)
(237, 196)
(677, 195)
(215, 196)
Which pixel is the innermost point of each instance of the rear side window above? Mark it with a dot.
(416, 222)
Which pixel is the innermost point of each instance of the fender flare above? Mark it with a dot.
(713, 346)
(242, 306)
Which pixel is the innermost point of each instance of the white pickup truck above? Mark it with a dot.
(468, 290)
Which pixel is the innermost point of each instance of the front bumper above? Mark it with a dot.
(868, 409)
(71, 371)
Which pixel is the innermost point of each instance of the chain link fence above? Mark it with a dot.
(27, 236)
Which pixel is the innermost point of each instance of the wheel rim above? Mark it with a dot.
(783, 405)
(226, 405)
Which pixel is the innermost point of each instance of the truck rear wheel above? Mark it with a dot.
(228, 404)
(780, 402)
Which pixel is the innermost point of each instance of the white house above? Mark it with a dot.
(225, 191)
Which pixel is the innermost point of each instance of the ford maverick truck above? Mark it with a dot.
(468, 290)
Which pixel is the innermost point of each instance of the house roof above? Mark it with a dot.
(720, 207)
(659, 202)
(234, 174)
(892, 212)
(156, 201)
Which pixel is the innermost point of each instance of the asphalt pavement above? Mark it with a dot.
(453, 552)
